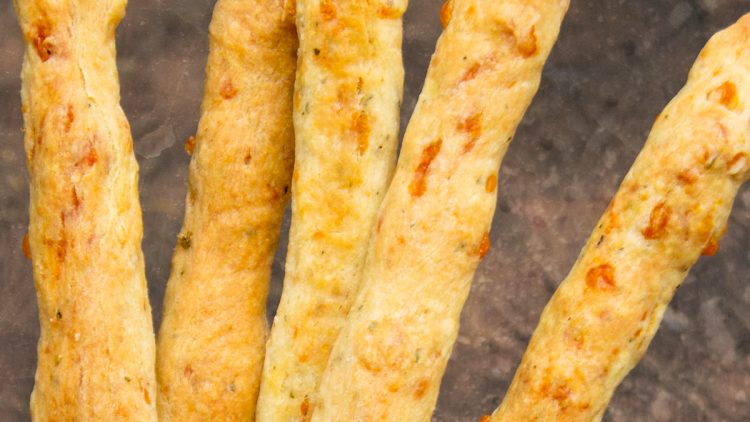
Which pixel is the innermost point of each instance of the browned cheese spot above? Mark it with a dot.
(471, 73)
(61, 245)
(484, 245)
(726, 95)
(472, 126)
(76, 200)
(188, 371)
(418, 184)
(601, 277)
(446, 12)
(560, 393)
(89, 159)
(146, 395)
(62, 248)
(711, 248)
(26, 247)
(491, 184)
(421, 389)
(386, 12)
(657, 222)
(575, 337)
(69, 118)
(327, 10)
(92, 157)
(273, 192)
(611, 220)
(248, 157)
(527, 45)
(228, 91)
(687, 177)
(304, 408)
(361, 128)
(190, 145)
(43, 47)
(290, 11)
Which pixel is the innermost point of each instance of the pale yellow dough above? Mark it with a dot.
(212, 338)
(671, 206)
(432, 229)
(96, 344)
(346, 119)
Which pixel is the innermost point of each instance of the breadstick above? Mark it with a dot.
(672, 206)
(432, 230)
(212, 338)
(96, 344)
(346, 116)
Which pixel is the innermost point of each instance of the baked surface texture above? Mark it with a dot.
(672, 206)
(346, 119)
(432, 228)
(96, 345)
(212, 337)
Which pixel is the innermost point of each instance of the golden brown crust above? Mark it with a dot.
(96, 345)
(211, 341)
(433, 224)
(347, 99)
(672, 205)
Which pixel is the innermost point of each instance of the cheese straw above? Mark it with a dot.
(672, 206)
(212, 337)
(96, 347)
(433, 226)
(346, 119)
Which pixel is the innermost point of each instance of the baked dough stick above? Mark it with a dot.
(346, 117)
(96, 344)
(212, 338)
(671, 206)
(432, 229)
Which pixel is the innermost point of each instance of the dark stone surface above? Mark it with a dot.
(616, 65)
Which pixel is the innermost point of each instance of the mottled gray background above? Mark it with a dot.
(615, 66)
